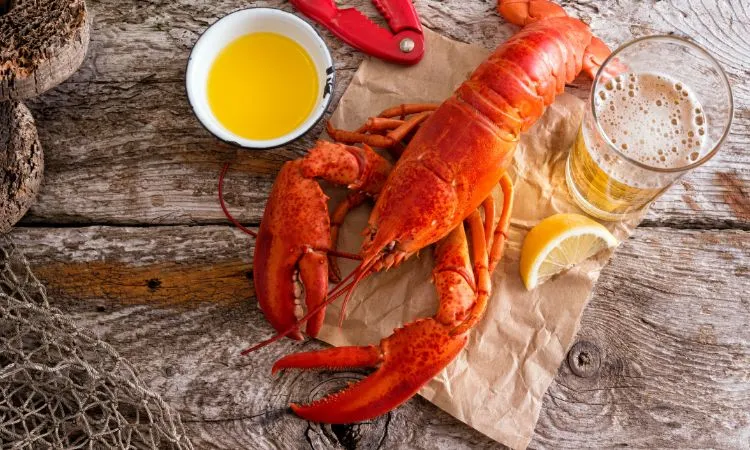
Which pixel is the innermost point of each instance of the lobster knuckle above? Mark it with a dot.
(454, 279)
(456, 296)
(375, 170)
(331, 162)
(359, 168)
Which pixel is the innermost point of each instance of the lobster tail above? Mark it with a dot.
(443, 176)
(524, 12)
(533, 66)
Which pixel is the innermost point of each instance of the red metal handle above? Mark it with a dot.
(400, 14)
(406, 46)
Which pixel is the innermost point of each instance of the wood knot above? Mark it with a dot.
(584, 359)
(153, 284)
(355, 436)
(347, 434)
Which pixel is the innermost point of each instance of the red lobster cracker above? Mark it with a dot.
(406, 46)
(455, 154)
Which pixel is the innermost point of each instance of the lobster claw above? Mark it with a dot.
(294, 238)
(414, 354)
(290, 251)
(405, 361)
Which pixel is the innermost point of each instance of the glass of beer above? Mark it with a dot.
(660, 106)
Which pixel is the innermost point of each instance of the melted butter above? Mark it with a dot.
(262, 86)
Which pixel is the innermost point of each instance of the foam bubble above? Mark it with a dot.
(647, 116)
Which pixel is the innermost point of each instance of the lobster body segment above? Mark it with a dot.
(455, 154)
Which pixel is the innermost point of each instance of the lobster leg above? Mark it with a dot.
(408, 109)
(503, 225)
(496, 239)
(488, 205)
(414, 354)
(294, 238)
(376, 124)
(524, 12)
(353, 137)
(351, 201)
(391, 140)
(408, 126)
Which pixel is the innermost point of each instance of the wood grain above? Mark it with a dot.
(668, 320)
(124, 147)
(669, 317)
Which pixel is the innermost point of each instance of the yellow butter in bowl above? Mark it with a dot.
(262, 86)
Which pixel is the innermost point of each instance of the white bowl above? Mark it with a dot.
(240, 23)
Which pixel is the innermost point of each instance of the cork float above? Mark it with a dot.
(41, 45)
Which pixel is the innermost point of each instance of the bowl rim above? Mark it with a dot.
(297, 133)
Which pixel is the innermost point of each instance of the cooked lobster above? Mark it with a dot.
(455, 154)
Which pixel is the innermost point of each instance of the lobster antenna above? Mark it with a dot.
(234, 221)
(339, 288)
(346, 255)
(278, 336)
(363, 273)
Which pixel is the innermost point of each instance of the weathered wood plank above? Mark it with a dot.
(123, 147)
(669, 317)
(155, 266)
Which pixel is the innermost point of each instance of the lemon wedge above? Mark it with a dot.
(558, 243)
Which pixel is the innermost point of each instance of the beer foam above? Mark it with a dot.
(651, 118)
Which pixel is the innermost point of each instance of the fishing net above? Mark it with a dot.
(60, 386)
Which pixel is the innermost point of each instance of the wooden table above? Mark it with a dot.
(128, 236)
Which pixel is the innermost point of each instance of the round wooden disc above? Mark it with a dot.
(41, 44)
(21, 163)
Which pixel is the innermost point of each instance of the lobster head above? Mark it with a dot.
(414, 210)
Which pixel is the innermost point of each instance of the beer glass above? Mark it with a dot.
(659, 107)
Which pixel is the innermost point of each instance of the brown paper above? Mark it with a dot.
(497, 383)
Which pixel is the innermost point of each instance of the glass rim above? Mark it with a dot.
(688, 43)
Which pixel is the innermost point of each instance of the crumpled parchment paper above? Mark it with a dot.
(497, 383)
